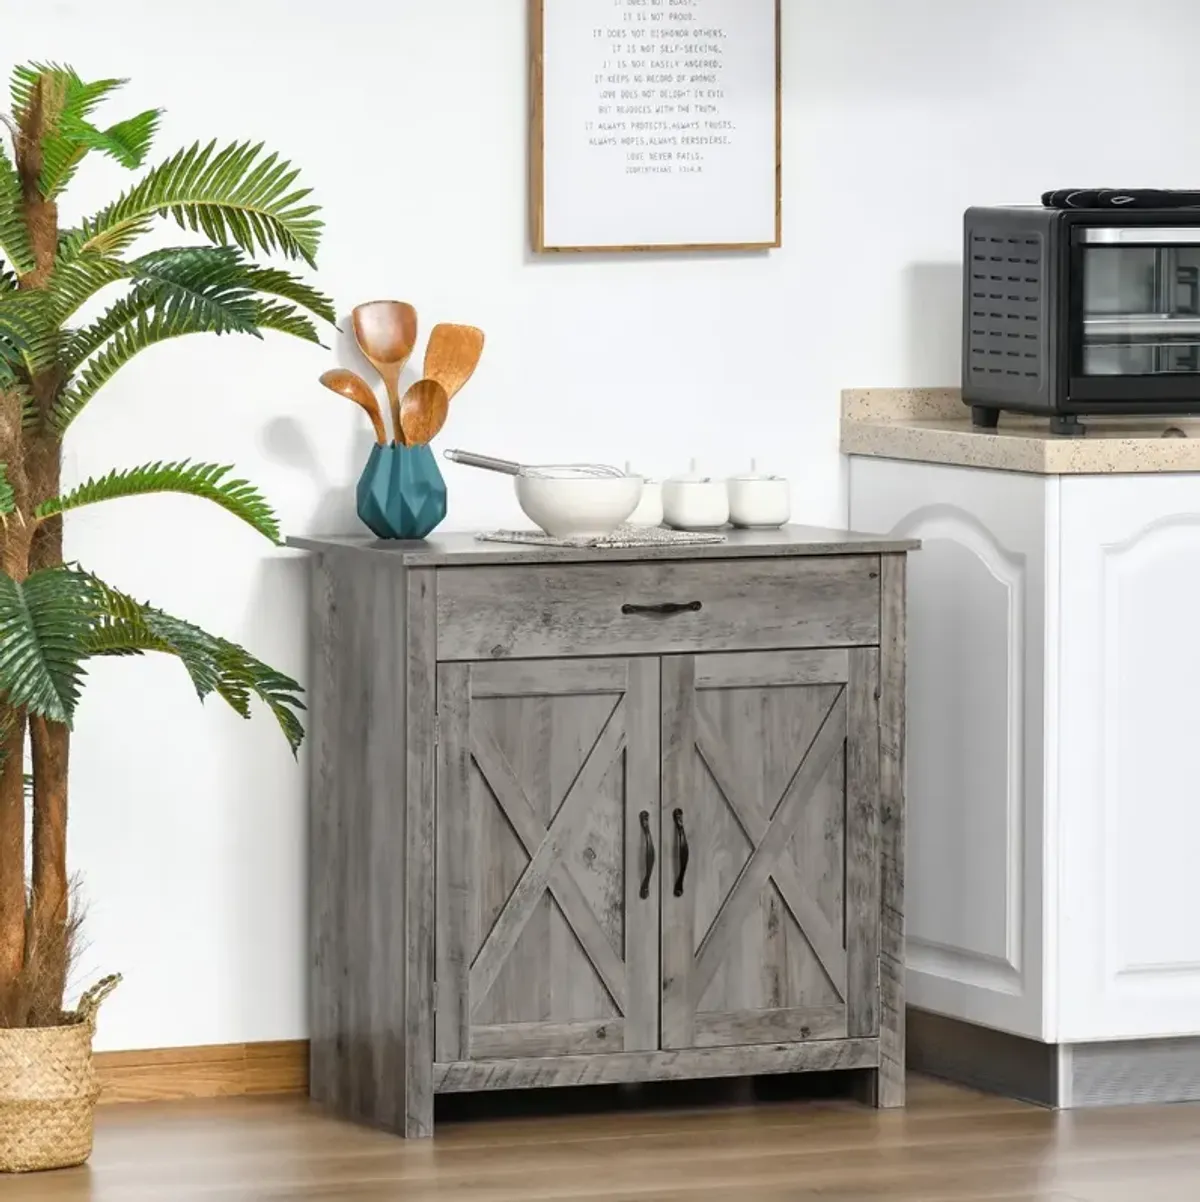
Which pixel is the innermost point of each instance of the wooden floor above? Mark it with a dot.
(949, 1145)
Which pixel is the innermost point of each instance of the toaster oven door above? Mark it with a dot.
(1135, 314)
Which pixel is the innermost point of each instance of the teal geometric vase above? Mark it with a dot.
(401, 493)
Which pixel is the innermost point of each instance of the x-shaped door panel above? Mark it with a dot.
(547, 849)
(547, 787)
(769, 775)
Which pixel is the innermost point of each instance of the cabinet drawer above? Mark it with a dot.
(657, 608)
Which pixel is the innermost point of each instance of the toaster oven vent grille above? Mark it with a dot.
(1005, 301)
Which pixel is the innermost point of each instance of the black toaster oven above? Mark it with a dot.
(1070, 313)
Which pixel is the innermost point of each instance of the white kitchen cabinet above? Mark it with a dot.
(1054, 729)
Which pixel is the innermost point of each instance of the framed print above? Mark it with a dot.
(656, 125)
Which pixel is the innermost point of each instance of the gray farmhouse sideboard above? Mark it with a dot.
(585, 817)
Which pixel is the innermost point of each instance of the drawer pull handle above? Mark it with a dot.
(667, 609)
(648, 840)
(681, 841)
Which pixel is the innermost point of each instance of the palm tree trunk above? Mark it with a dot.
(51, 742)
(12, 856)
(14, 560)
(51, 747)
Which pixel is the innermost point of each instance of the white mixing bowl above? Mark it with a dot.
(574, 507)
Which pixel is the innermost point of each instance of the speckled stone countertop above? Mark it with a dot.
(932, 425)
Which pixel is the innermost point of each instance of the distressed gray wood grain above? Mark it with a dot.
(324, 862)
(417, 850)
(457, 933)
(523, 1040)
(566, 831)
(534, 736)
(783, 1025)
(893, 651)
(764, 669)
(816, 1056)
(862, 844)
(755, 820)
(641, 918)
(575, 907)
(461, 550)
(678, 792)
(535, 743)
(553, 611)
(534, 883)
(540, 678)
(362, 1048)
(737, 906)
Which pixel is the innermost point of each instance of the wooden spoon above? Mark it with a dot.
(354, 388)
(423, 412)
(452, 356)
(386, 332)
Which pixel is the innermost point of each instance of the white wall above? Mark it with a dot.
(409, 117)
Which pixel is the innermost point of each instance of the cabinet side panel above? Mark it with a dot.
(417, 851)
(863, 873)
(357, 839)
(892, 652)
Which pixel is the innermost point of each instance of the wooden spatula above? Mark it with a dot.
(354, 388)
(386, 332)
(423, 412)
(453, 355)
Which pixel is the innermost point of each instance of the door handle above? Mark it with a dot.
(681, 844)
(648, 843)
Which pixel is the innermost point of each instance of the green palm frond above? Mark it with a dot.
(14, 238)
(200, 283)
(20, 329)
(127, 141)
(234, 195)
(188, 275)
(8, 501)
(83, 343)
(44, 622)
(215, 665)
(145, 330)
(77, 280)
(205, 480)
(286, 320)
(29, 315)
(291, 288)
(64, 93)
(112, 242)
(66, 133)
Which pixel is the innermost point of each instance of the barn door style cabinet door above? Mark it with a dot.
(770, 900)
(583, 817)
(547, 929)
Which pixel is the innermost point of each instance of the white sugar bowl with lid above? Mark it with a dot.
(758, 501)
(695, 502)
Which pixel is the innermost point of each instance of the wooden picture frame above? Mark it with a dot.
(545, 243)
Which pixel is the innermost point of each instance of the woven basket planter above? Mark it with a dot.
(48, 1089)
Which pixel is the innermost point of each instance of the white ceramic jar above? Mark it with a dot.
(758, 502)
(695, 503)
(650, 509)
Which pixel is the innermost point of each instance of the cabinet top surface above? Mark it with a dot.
(932, 425)
(464, 550)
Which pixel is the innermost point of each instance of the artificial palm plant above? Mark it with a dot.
(55, 616)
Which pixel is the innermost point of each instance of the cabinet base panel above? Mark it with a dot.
(625, 1067)
(1060, 1076)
